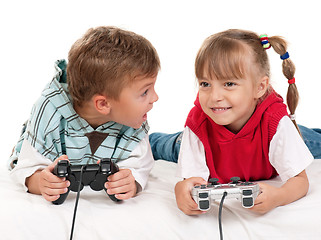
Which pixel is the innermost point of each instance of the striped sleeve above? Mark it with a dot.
(43, 129)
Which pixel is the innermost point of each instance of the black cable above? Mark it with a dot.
(76, 204)
(220, 215)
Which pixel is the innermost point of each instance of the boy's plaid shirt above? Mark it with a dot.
(54, 129)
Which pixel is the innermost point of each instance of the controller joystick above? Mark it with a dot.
(213, 181)
(94, 175)
(235, 180)
(246, 192)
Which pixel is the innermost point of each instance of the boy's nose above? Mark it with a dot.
(155, 98)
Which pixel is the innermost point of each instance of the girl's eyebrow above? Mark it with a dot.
(204, 78)
(222, 79)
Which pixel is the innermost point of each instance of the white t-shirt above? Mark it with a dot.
(140, 162)
(288, 153)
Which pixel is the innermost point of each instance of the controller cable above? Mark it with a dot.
(76, 204)
(220, 215)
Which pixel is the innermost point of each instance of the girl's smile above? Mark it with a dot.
(230, 103)
(219, 110)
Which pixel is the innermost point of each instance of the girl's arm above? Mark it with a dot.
(290, 157)
(184, 200)
(272, 197)
(192, 168)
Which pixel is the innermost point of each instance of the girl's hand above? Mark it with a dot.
(122, 184)
(184, 200)
(272, 197)
(266, 200)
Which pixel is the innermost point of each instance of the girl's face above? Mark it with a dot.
(230, 102)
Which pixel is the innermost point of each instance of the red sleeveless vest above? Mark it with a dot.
(245, 154)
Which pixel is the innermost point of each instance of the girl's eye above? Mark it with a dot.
(229, 84)
(204, 84)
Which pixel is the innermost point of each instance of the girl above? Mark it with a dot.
(239, 125)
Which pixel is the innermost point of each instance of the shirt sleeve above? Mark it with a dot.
(191, 158)
(30, 160)
(140, 162)
(288, 153)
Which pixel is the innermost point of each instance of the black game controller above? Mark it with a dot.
(94, 175)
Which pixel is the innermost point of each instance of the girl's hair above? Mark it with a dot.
(105, 60)
(225, 55)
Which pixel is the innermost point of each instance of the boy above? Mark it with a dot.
(95, 107)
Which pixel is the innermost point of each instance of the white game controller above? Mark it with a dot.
(246, 192)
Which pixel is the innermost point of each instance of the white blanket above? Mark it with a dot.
(153, 214)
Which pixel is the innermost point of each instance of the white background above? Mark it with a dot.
(36, 33)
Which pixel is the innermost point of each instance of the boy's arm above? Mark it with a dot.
(272, 197)
(140, 163)
(29, 162)
(133, 172)
(34, 172)
(45, 183)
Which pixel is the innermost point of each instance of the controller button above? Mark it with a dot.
(247, 192)
(203, 195)
(248, 202)
(204, 204)
(203, 186)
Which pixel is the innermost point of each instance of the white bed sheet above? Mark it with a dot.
(153, 214)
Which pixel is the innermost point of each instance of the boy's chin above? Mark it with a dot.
(135, 126)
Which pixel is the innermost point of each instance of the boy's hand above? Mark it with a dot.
(122, 184)
(44, 182)
(184, 200)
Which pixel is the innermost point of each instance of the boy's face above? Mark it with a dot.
(134, 102)
(228, 102)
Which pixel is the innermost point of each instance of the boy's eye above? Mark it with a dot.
(145, 93)
(204, 84)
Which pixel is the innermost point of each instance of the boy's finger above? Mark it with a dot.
(121, 174)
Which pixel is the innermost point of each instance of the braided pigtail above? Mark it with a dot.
(288, 68)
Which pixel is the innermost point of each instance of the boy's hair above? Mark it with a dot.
(105, 60)
(225, 55)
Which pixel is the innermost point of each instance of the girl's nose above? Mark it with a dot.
(216, 95)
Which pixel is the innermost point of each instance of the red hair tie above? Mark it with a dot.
(291, 81)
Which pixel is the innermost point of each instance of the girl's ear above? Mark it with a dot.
(102, 104)
(262, 86)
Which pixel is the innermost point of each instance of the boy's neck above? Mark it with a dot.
(90, 114)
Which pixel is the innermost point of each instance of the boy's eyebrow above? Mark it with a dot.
(146, 85)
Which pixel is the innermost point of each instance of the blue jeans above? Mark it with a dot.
(166, 146)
